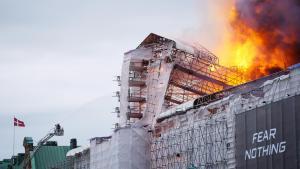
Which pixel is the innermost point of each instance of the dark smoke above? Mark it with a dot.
(273, 69)
(277, 22)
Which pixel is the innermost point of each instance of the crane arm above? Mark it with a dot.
(57, 131)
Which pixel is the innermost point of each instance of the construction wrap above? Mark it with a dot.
(128, 148)
(156, 81)
(224, 133)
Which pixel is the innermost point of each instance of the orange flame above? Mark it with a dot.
(245, 48)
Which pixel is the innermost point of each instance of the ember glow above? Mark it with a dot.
(264, 36)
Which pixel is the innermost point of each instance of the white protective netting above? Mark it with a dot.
(127, 149)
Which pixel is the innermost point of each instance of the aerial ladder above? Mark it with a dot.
(56, 131)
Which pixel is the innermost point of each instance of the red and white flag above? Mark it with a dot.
(18, 123)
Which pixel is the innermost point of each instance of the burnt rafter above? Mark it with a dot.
(168, 98)
(190, 89)
(201, 76)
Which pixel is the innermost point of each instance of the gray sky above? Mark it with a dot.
(58, 59)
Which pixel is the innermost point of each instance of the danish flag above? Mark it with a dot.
(18, 123)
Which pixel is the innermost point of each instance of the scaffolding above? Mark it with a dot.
(197, 75)
(201, 146)
(137, 88)
(162, 73)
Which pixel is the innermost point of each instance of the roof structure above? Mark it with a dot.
(4, 163)
(48, 156)
(197, 49)
(77, 150)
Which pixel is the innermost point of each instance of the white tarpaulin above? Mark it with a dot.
(128, 148)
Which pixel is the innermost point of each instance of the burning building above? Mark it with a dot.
(179, 108)
(162, 73)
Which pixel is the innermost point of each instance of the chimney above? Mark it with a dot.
(73, 143)
(28, 144)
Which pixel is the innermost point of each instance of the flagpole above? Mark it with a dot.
(14, 138)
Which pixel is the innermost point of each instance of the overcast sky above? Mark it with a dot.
(58, 59)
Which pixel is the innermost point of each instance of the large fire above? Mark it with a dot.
(264, 36)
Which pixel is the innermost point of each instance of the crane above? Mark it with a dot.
(56, 131)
